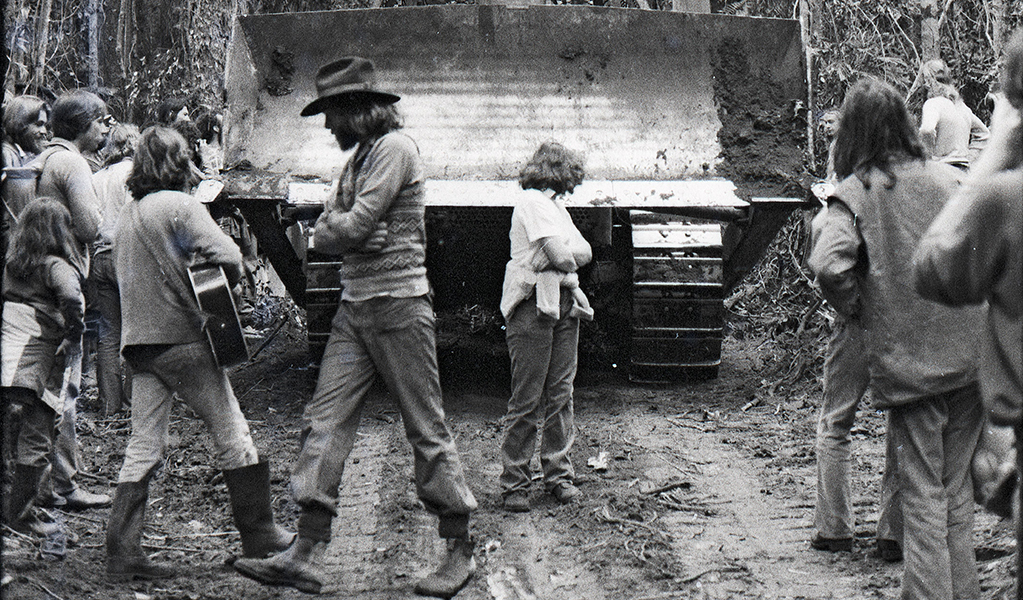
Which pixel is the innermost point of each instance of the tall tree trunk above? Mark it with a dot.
(42, 38)
(929, 30)
(17, 20)
(92, 12)
(996, 13)
(125, 36)
(809, 28)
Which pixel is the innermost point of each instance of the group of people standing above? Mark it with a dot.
(138, 230)
(920, 232)
(906, 251)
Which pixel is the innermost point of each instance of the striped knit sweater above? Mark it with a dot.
(383, 181)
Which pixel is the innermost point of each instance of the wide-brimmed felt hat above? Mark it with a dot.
(351, 77)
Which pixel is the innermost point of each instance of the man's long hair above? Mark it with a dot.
(552, 167)
(74, 112)
(875, 132)
(372, 120)
(19, 113)
(162, 162)
(43, 229)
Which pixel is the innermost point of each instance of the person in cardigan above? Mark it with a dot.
(920, 354)
(160, 234)
(973, 253)
(383, 326)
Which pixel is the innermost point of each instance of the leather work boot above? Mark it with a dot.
(452, 575)
(80, 499)
(296, 567)
(18, 512)
(565, 492)
(250, 504)
(125, 558)
(831, 544)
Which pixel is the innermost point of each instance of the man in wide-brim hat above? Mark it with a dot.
(385, 324)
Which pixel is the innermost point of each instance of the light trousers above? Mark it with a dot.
(190, 372)
(846, 378)
(394, 338)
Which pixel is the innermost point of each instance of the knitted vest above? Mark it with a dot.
(399, 269)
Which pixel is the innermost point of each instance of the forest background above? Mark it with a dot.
(137, 52)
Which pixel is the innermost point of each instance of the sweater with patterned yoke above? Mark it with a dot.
(382, 181)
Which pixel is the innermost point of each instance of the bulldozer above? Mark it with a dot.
(692, 126)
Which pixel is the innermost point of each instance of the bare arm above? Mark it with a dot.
(929, 125)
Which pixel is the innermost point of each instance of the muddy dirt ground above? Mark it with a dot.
(692, 490)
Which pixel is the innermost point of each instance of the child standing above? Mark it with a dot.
(542, 304)
(43, 320)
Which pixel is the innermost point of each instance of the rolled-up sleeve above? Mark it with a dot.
(963, 252)
(835, 257)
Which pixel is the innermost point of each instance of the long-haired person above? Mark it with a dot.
(160, 234)
(384, 326)
(949, 130)
(111, 185)
(43, 320)
(920, 354)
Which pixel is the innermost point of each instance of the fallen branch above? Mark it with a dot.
(667, 488)
(18, 534)
(678, 423)
(42, 587)
(177, 548)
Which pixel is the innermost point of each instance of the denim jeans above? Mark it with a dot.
(396, 339)
(846, 379)
(34, 432)
(544, 356)
(65, 459)
(190, 372)
(935, 439)
(104, 295)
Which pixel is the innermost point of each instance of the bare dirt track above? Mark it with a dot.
(695, 490)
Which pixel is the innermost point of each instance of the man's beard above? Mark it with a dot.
(347, 141)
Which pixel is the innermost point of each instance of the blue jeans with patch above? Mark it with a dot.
(394, 338)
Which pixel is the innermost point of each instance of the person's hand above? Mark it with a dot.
(540, 261)
(376, 240)
(65, 347)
